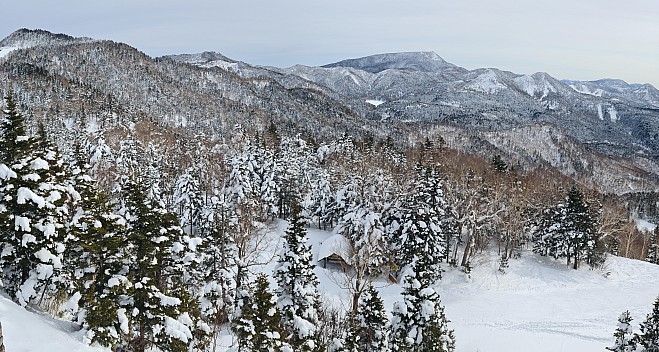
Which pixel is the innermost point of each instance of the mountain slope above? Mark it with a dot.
(82, 85)
(410, 61)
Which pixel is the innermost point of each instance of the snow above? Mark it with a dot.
(643, 225)
(337, 244)
(584, 89)
(25, 194)
(613, 113)
(39, 164)
(177, 330)
(23, 223)
(6, 173)
(599, 112)
(375, 102)
(538, 305)
(6, 50)
(123, 320)
(26, 331)
(487, 82)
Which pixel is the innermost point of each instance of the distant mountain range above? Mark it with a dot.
(604, 132)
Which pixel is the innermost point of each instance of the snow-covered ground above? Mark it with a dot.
(538, 305)
(31, 332)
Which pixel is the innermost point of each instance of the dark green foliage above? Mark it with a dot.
(415, 327)
(625, 341)
(649, 336)
(33, 211)
(258, 323)
(653, 247)
(498, 164)
(297, 286)
(372, 330)
(569, 231)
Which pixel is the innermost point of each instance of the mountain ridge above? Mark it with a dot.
(209, 93)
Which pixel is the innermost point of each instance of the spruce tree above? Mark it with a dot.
(649, 336)
(372, 323)
(297, 287)
(217, 226)
(156, 255)
(419, 323)
(624, 336)
(33, 211)
(258, 322)
(188, 199)
(421, 230)
(653, 247)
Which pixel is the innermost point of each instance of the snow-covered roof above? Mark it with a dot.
(338, 245)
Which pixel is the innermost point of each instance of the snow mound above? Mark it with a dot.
(26, 331)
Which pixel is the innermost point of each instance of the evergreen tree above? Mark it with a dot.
(218, 293)
(649, 336)
(580, 229)
(33, 211)
(156, 255)
(421, 230)
(297, 287)
(624, 337)
(188, 199)
(419, 323)
(258, 322)
(498, 164)
(653, 247)
(568, 231)
(372, 323)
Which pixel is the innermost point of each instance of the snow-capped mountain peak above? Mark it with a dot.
(28, 38)
(412, 61)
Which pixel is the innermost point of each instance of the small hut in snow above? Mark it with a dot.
(335, 250)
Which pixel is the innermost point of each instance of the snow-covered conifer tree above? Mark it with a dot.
(33, 211)
(649, 336)
(421, 230)
(157, 256)
(653, 247)
(419, 323)
(624, 335)
(297, 287)
(258, 322)
(218, 292)
(372, 323)
(188, 199)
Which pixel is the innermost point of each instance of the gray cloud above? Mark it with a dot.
(586, 39)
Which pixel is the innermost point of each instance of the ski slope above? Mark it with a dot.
(538, 305)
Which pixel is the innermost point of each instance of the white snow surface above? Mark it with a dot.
(486, 82)
(375, 102)
(6, 50)
(32, 332)
(538, 305)
(644, 225)
(336, 244)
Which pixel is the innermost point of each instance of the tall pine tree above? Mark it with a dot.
(419, 323)
(33, 211)
(649, 336)
(297, 286)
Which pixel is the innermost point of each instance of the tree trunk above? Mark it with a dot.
(2, 343)
(467, 251)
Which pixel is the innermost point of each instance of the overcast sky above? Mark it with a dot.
(569, 39)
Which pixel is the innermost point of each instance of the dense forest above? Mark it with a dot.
(146, 248)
